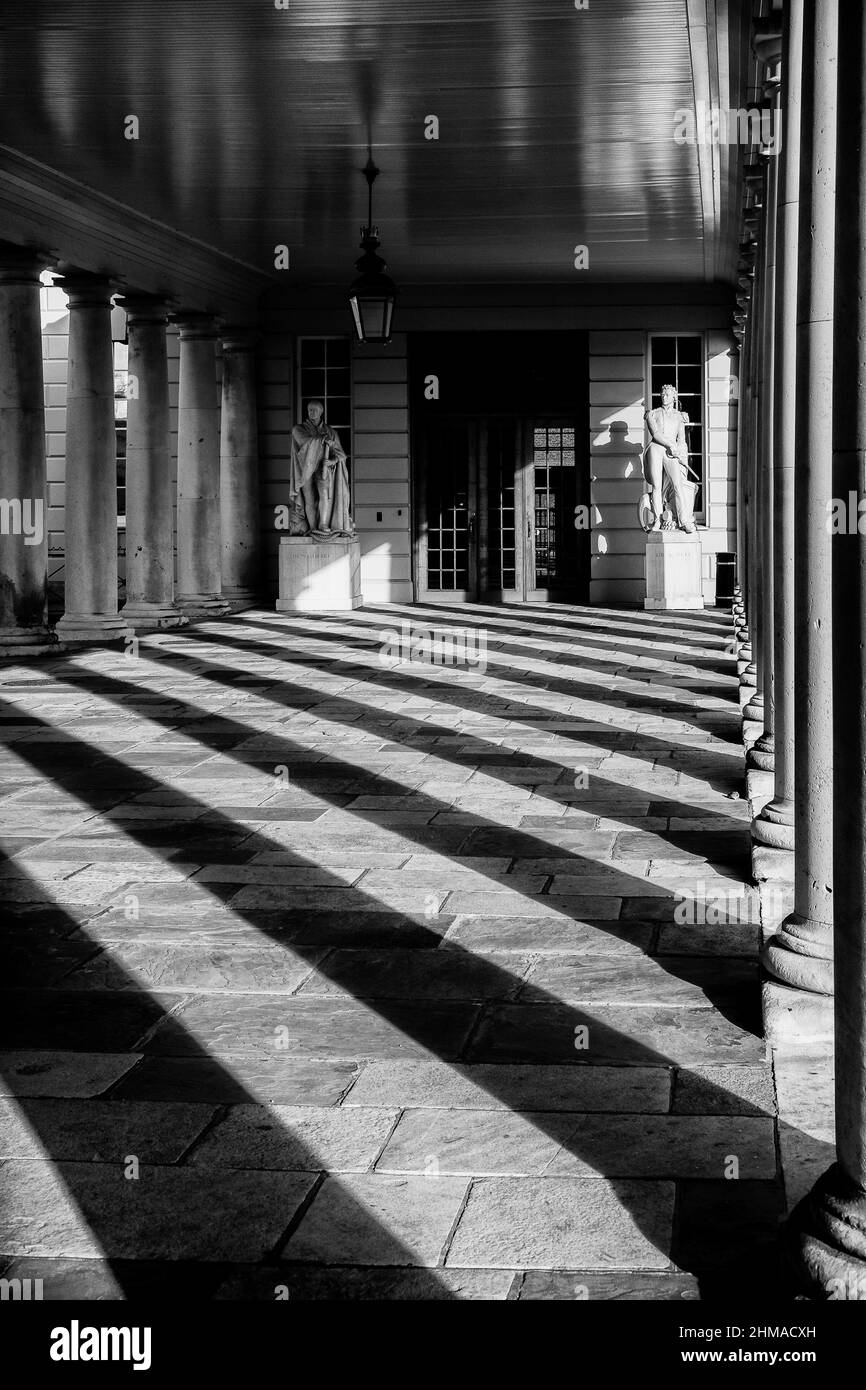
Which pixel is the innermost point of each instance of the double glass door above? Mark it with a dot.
(499, 511)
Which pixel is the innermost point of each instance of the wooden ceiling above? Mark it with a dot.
(555, 129)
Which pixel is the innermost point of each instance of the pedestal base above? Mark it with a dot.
(93, 627)
(673, 571)
(202, 605)
(319, 576)
(28, 641)
(152, 617)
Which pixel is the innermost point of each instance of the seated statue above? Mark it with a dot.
(666, 465)
(318, 480)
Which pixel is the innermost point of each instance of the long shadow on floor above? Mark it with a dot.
(468, 1028)
(341, 705)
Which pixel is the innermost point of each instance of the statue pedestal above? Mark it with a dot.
(319, 576)
(673, 571)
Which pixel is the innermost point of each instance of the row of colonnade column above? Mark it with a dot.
(803, 461)
(217, 494)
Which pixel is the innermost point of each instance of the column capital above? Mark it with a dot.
(194, 324)
(239, 339)
(22, 265)
(87, 289)
(145, 308)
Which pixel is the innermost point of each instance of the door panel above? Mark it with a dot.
(447, 519)
(557, 548)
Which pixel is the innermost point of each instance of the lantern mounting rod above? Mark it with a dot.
(371, 173)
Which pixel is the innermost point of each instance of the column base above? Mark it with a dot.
(28, 641)
(754, 710)
(240, 599)
(93, 627)
(775, 825)
(152, 617)
(801, 955)
(202, 605)
(762, 753)
(824, 1239)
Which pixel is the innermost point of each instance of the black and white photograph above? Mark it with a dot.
(432, 671)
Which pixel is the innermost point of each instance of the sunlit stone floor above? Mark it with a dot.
(327, 975)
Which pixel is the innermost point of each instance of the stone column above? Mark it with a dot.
(761, 707)
(239, 468)
(802, 952)
(23, 522)
(149, 502)
(90, 598)
(199, 590)
(749, 676)
(775, 825)
(826, 1233)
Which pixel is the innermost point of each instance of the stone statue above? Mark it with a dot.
(666, 467)
(318, 480)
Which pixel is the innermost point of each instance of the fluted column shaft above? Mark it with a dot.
(239, 468)
(199, 586)
(149, 502)
(23, 520)
(91, 468)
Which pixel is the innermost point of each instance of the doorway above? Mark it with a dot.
(501, 495)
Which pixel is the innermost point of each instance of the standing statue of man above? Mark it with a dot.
(318, 480)
(666, 462)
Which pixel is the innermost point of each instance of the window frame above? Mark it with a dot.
(701, 513)
(299, 396)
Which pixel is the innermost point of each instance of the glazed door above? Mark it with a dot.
(447, 512)
(556, 559)
(497, 507)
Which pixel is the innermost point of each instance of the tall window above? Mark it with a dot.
(324, 373)
(679, 359)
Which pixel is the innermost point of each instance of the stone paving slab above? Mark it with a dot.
(379, 1219)
(189, 969)
(100, 1131)
(543, 1223)
(87, 1209)
(364, 1283)
(437, 1085)
(287, 1137)
(318, 1027)
(600, 935)
(547, 1033)
(410, 974)
(620, 1286)
(63, 1074)
(236, 1078)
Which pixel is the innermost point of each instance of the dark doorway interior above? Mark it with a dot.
(501, 466)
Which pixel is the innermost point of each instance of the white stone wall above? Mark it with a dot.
(381, 469)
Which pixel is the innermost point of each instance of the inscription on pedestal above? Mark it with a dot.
(319, 576)
(673, 571)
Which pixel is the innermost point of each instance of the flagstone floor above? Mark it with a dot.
(330, 970)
